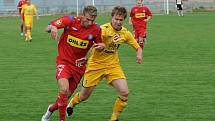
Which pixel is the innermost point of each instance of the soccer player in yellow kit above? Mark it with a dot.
(105, 64)
(28, 11)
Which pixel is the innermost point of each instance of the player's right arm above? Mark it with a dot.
(58, 24)
(131, 15)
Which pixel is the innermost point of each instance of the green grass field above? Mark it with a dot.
(176, 81)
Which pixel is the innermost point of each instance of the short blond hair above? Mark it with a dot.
(91, 10)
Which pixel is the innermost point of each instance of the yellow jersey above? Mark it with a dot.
(112, 40)
(28, 10)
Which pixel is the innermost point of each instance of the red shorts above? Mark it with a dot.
(140, 33)
(68, 72)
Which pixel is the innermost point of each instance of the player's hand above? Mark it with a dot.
(80, 62)
(139, 59)
(99, 46)
(54, 32)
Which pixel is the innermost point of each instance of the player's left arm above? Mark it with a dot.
(36, 12)
(132, 42)
(149, 15)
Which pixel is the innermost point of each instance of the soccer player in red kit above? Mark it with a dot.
(19, 7)
(139, 16)
(79, 35)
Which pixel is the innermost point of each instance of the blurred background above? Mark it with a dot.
(8, 7)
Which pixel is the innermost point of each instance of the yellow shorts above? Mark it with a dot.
(29, 21)
(92, 77)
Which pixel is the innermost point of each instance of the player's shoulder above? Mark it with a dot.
(105, 26)
(134, 7)
(124, 30)
(97, 26)
(145, 7)
(68, 18)
(24, 5)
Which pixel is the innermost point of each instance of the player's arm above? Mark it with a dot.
(149, 15)
(130, 22)
(53, 30)
(139, 55)
(58, 24)
(98, 44)
(130, 18)
(36, 13)
(80, 62)
(132, 42)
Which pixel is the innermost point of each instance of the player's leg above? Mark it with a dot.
(117, 80)
(61, 101)
(91, 79)
(137, 37)
(63, 75)
(84, 94)
(181, 10)
(178, 11)
(22, 25)
(28, 33)
(122, 88)
(142, 37)
(28, 26)
(141, 42)
(27, 29)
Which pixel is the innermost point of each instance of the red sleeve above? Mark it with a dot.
(19, 4)
(98, 38)
(149, 13)
(62, 22)
(131, 13)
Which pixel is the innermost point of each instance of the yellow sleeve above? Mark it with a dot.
(131, 40)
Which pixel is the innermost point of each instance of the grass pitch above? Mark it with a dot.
(176, 81)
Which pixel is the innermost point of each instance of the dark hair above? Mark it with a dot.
(119, 10)
(91, 10)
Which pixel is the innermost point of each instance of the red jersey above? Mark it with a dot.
(138, 15)
(75, 40)
(19, 6)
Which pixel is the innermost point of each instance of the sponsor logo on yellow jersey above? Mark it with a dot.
(76, 42)
(140, 15)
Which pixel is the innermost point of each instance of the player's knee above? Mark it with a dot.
(65, 91)
(124, 93)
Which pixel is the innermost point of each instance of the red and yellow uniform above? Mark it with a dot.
(74, 44)
(28, 11)
(138, 17)
(105, 63)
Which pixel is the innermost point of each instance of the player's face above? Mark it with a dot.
(28, 2)
(87, 20)
(139, 2)
(117, 21)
